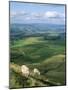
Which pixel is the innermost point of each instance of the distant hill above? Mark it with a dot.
(22, 30)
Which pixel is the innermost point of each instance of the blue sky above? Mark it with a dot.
(36, 13)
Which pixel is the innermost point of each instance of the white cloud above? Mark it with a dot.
(54, 14)
(22, 13)
(48, 16)
(37, 15)
(18, 14)
(27, 18)
(12, 14)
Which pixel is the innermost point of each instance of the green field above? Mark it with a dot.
(36, 52)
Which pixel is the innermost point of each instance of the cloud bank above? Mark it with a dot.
(51, 16)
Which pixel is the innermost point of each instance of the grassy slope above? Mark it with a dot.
(35, 49)
(55, 68)
(47, 56)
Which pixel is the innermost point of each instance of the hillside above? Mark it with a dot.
(18, 31)
(52, 73)
(48, 55)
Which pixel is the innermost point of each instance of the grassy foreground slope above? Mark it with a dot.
(36, 52)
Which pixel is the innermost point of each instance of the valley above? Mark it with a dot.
(44, 50)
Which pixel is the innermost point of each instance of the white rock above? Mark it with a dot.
(25, 70)
(36, 71)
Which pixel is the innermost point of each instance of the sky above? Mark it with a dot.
(21, 12)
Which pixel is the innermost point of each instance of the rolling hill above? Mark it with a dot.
(48, 55)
